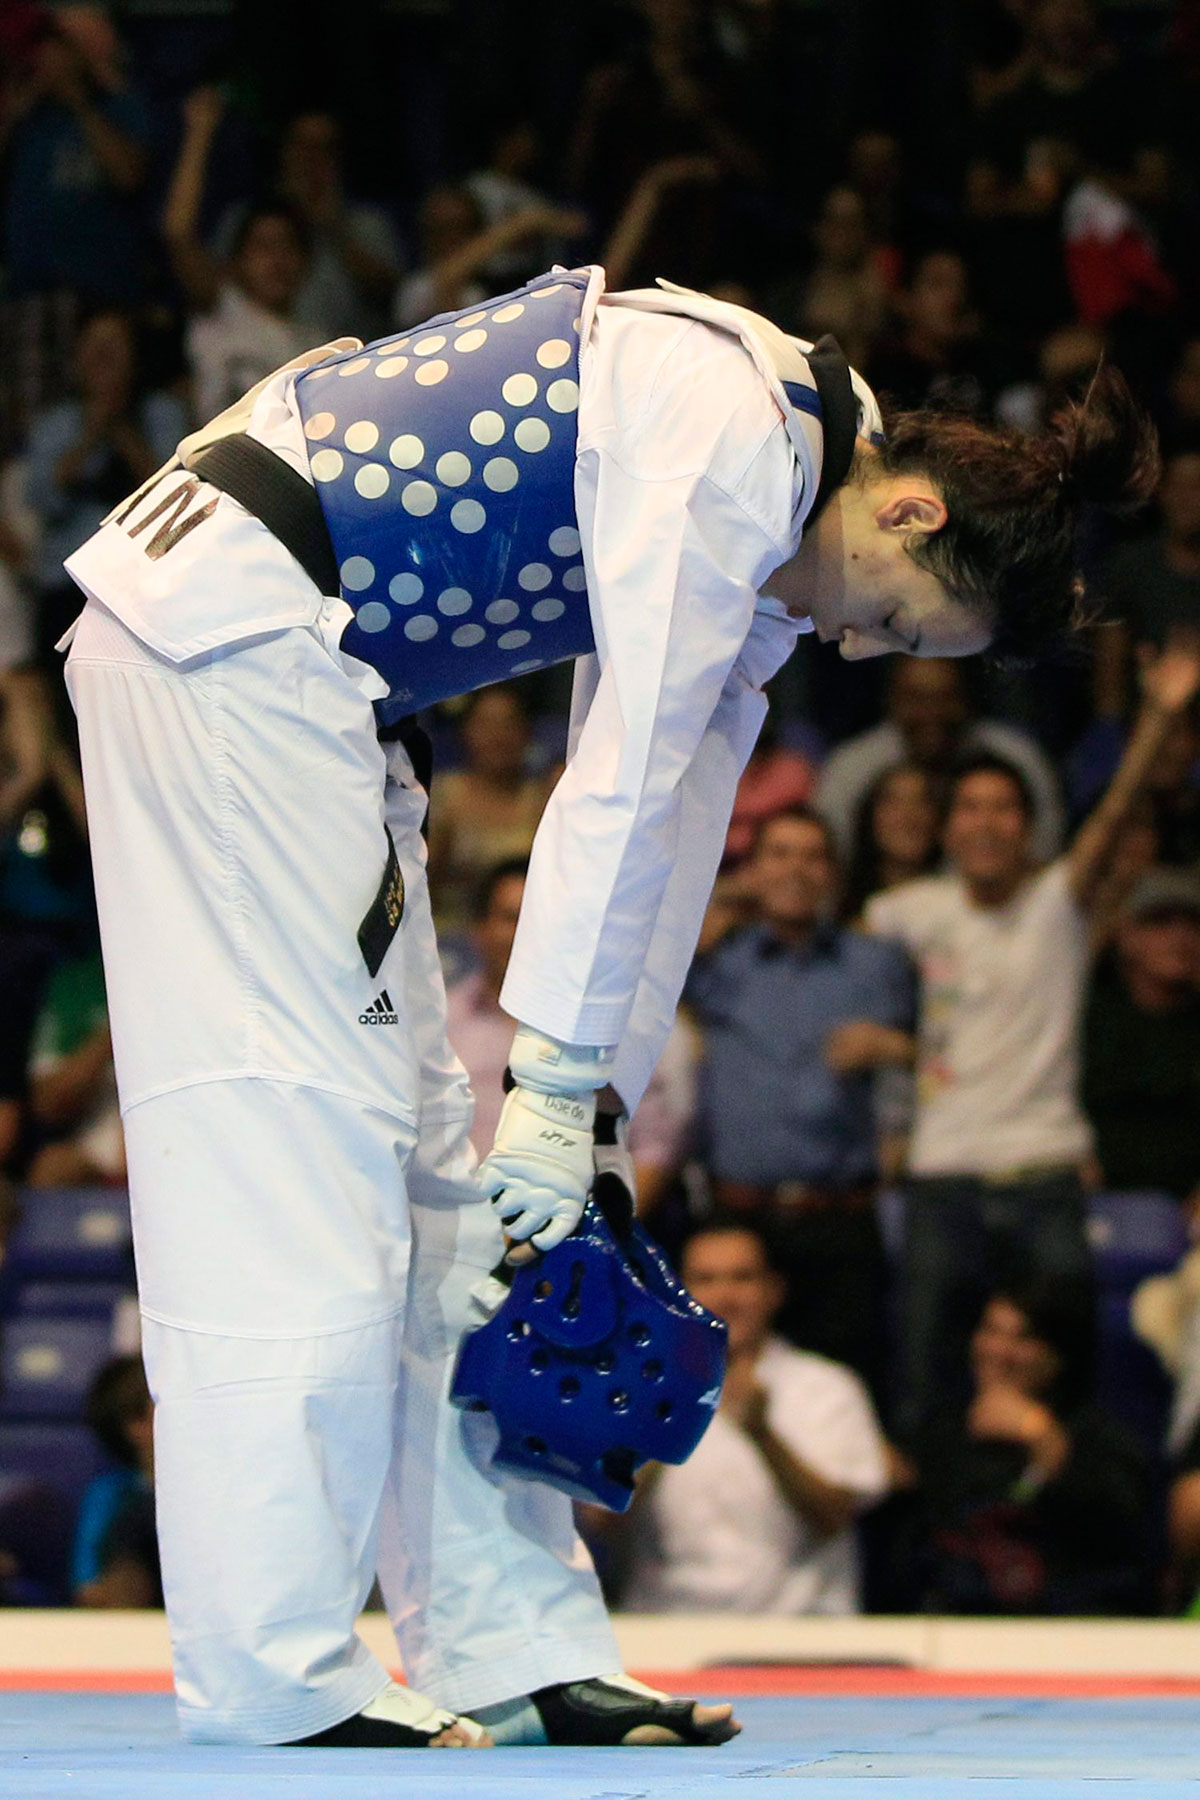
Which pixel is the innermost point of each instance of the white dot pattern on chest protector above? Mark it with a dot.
(430, 532)
(372, 481)
(531, 435)
(373, 616)
(357, 572)
(362, 436)
(520, 390)
(406, 451)
(453, 601)
(419, 498)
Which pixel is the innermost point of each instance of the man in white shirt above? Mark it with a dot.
(929, 722)
(659, 479)
(760, 1519)
(999, 1132)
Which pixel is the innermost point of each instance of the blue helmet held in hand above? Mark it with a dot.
(598, 1361)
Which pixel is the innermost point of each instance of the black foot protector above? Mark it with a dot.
(398, 1719)
(624, 1711)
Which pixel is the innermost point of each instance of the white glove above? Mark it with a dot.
(539, 1168)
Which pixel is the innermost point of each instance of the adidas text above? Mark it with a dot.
(380, 1012)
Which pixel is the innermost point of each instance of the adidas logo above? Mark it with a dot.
(380, 1012)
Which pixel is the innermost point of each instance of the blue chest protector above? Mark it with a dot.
(444, 462)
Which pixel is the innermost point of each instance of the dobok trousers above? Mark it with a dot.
(306, 1229)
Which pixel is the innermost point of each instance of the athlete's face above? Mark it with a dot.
(854, 576)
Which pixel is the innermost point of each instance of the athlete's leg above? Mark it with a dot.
(238, 838)
(490, 1587)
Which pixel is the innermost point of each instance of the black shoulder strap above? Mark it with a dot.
(277, 494)
(839, 418)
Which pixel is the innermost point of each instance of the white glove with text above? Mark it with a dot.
(540, 1166)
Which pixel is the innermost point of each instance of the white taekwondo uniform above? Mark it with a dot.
(306, 1225)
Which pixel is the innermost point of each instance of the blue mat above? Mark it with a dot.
(54, 1745)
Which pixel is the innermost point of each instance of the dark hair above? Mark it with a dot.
(727, 1221)
(985, 762)
(274, 207)
(807, 815)
(1060, 1312)
(118, 1395)
(863, 876)
(484, 892)
(1014, 501)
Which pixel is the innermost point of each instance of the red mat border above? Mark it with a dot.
(851, 1680)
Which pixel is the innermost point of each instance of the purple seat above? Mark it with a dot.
(44, 1470)
(68, 1299)
(71, 1234)
(1133, 1235)
(47, 1365)
(58, 1455)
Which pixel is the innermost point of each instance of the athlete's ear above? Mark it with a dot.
(920, 509)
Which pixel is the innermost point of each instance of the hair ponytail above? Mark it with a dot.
(1109, 447)
(1014, 499)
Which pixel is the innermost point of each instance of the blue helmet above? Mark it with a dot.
(599, 1360)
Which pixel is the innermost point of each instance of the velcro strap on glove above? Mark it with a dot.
(545, 1066)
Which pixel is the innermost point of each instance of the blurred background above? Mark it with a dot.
(927, 1132)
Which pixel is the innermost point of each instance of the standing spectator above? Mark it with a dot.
(72, 1084)
(353, 253)
(897, 834)
(247, 324)
(929, 722)
(1065, 98)
(993, 1170)
(73, 134)
(87, 453)
(487, 811)
(846, 289)
(795, 1012)
(1152, 584)
(1141, 1042)
(457, 246)
(760, 1519)
(935, 358)
(502, 187)
(1031, 1499)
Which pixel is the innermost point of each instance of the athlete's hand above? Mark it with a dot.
(539, 1168)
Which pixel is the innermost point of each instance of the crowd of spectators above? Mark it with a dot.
(948, 989)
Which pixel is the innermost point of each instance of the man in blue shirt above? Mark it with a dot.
(797, 1013)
